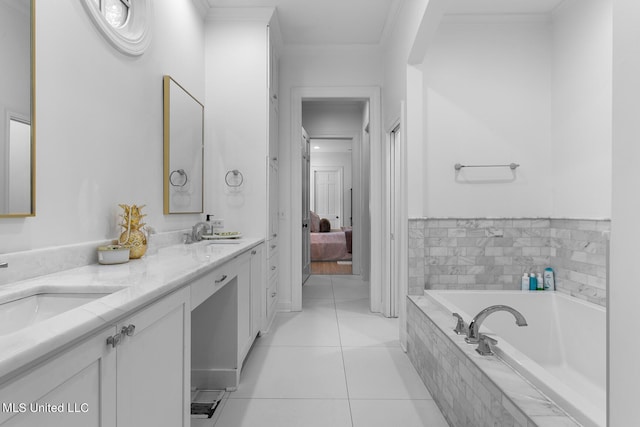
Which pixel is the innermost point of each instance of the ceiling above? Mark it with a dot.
(327, 22)
(364, 22)
(330, 145)
(501, 6)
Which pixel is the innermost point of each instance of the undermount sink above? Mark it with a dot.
(26, 311)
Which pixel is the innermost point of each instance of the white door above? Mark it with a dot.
(395, 139)
(327, 194)
(306, 201)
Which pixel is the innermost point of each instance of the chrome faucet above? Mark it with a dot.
(198, 230)
(461, 326)
(473, 333)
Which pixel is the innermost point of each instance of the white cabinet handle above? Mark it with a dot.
(222, 279)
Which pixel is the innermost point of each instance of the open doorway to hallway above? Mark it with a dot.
(336, 163)
(370, 249)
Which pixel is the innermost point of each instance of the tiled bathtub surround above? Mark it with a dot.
(493, 254)
(471, 390)
(579, 249)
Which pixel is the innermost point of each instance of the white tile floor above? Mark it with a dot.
(333, 364)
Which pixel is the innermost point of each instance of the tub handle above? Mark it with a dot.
(484, 345)
(461, 327)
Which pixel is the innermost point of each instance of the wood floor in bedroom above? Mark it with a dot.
(322, 267)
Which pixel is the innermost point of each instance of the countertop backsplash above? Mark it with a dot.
(38, 262)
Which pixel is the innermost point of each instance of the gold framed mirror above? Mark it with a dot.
(17, 106)
(183, 150)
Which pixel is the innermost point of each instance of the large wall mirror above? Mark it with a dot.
(183, 150)
(17, 106)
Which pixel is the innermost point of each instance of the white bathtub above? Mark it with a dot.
(562, 351)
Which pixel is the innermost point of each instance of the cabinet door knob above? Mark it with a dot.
(273, 267)
(128, 330)
(254, 252)
(114, 340)
(274, 246)
(273, 294)
(222, 279)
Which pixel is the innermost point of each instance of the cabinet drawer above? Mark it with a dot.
(272, 266)
(205, 286)
(272, 295)
(272, 247)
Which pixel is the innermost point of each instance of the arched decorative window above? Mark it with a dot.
(124, 23)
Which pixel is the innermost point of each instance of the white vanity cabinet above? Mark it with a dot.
(81, 379)
(257, 289)
(134, 376)
(154, 364)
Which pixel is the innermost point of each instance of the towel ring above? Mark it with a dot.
(235, 174)
(183, 174)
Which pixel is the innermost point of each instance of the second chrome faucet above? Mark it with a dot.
(473, 331)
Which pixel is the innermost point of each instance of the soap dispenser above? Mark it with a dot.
(209, 230)
(525, 282)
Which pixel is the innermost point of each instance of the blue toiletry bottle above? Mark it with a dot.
(549, 281)
(533, 282)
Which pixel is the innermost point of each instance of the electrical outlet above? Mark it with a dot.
(217, 223)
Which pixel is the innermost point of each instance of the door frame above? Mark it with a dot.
(396, 218)
(372, 94)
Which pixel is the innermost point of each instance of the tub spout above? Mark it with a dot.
(473, 334)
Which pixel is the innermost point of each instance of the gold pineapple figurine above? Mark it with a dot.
(132, 237)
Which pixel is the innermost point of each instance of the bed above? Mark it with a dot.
(334, 245)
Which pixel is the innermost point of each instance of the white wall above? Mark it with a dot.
(332, 118)
(99, 123)
(624, 289)
(581, 147)
(236, 117)
(487, 91)
(312, 67)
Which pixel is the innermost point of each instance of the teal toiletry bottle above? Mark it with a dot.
(525, 282)
(533, 282)
(539, 283)
(549, 281)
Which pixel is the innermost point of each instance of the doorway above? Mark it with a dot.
(335, 128)
(367, 156)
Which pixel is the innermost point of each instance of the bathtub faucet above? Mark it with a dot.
(473, 334)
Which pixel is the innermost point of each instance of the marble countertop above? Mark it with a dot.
(130, 286)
